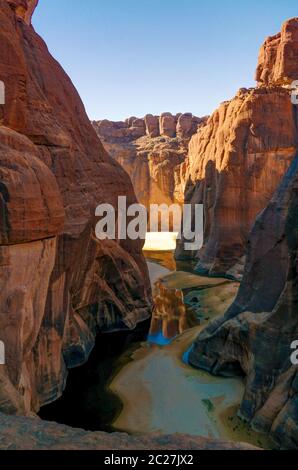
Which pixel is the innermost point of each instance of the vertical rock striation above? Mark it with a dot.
(58, 284)
(278, 56)
(238, 159)
(254, 336)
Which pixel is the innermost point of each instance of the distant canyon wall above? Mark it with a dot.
(153, 151)
(58, 284)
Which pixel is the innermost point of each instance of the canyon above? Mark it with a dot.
(153, 150)
(61, 287)
(241, 164)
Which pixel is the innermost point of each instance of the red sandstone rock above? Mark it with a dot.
(185, 126)
(152, 125)
(30, 201)
(153, 162)
(237, 160)
(58, 284)
(167, 124)
(33, 434)
(278, 59)
(24, 8)
(235, 163)
(255, 334)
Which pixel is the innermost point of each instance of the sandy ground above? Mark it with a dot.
(161, 393)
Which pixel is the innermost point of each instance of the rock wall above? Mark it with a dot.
(18, 433)
(58, 284)
(238, 159)
(153, 151)
(255, 334)
(279, 55)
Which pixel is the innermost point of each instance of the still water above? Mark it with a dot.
(140, 381)
(159, 391)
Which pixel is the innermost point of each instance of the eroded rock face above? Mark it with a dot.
(237, 160)
(32, 434)
(278, 59)
(24, 9)
(58, 284)
(235, 163)
(255, 334)
(153, 151)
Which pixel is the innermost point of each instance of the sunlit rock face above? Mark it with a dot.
(24, 9)
(235, 163)
(278, 59)
(58, 284)
(255, 335)
(153, 151)
(21, 433)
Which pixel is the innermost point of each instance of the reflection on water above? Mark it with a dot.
(183, 299)
(171, 316)
(159, 390)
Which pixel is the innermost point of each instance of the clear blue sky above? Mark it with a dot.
(133, 57)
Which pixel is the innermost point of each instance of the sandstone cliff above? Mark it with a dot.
(254, 336)
(278, 56)
(237, 160)
(58, 284)
(153, 151)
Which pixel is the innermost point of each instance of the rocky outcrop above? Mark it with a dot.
(235, 163)
(254, 336)
(153, 151)
(32, 434)
(23, 8)
(278, 57)
(59, 285)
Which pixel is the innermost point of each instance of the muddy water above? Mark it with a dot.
(159, 391)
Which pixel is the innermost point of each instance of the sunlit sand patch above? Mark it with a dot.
(160, 241)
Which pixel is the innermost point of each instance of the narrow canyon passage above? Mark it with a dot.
(140, 381)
